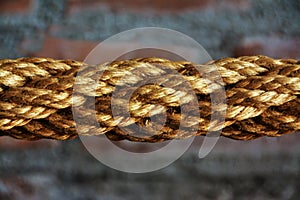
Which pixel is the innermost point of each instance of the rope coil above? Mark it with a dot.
(37, 95)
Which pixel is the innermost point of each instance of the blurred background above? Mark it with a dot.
(266, 168)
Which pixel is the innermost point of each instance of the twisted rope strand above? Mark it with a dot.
(37, 95)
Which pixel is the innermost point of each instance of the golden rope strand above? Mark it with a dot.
(262, 97)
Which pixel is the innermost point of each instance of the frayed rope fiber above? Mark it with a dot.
(38, 95)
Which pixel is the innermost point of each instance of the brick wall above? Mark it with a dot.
(70, 29)
(260, 169)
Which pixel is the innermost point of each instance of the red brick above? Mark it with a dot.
(266, 145)
(59, 48)
(270, 46)
(156, 6)
(17, 188)
(11, 143)
(14, 6)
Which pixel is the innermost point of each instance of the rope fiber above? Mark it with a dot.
(38, 95)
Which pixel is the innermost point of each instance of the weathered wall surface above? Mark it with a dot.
(267, 168)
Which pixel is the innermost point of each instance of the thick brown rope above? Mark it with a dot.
(262, 98)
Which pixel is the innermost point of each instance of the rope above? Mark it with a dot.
(262, 98)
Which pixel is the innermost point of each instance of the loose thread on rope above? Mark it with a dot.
(38, 94)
